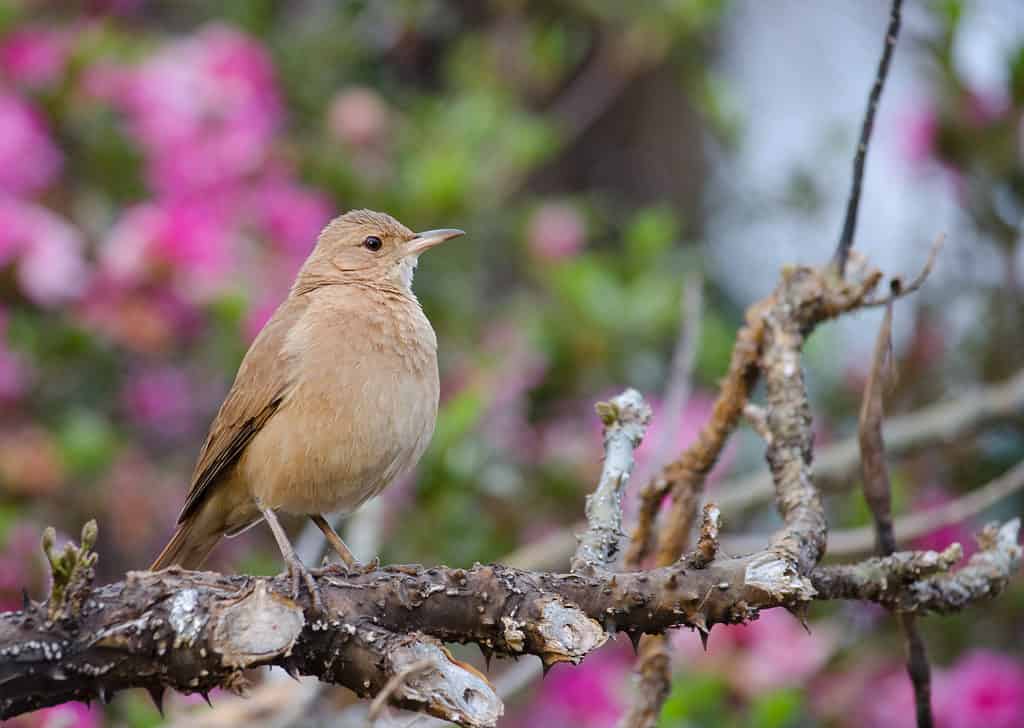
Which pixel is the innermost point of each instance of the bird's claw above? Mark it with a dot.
(298, 574)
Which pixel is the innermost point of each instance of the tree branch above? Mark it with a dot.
(197, 630)
(625, 420)
(194, 630)
(860, 157)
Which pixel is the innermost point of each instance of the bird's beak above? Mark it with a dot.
(429, 238)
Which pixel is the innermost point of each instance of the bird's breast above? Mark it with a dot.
(361, 409)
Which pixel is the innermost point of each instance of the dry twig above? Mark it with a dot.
(860, 157)
(878, 493)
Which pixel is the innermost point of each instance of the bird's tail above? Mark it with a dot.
(188, 547)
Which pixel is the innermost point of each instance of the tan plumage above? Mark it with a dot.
(336, 397)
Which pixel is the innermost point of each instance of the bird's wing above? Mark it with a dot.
(261, 385)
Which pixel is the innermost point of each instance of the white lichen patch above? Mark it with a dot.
(186, 619)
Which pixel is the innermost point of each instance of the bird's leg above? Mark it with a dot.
(296, 569)
(335, 541)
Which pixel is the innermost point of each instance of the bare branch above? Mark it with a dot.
(894, 581)
(625, 420)
(852, 207)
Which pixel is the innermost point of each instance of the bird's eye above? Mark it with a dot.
(372, 243)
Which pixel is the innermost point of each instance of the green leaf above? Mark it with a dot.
(778, 709)
(695, 699)
(650, 234)
(87, 442)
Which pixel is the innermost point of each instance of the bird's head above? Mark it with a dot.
(371, 247)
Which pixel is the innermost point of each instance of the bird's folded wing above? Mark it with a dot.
(261, 385)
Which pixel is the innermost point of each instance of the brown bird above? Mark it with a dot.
(336, 397)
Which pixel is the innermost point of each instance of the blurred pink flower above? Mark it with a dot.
(51, 269)
(160, 400)
(359, 117)
(14, 375)
(679, 433)
(147, 319)
(66, 715)
(982, 690)
(772, 652)
(29, 160)
(290, 214)
(204, 109)
(937, 540)
(556, 230)
(888, 701)
(34, 56)
(193, 239)
(592, 694)
(920, 130)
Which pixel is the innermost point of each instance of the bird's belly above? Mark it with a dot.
(345, 446)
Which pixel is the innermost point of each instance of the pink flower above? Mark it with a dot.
(556, 231)
(772, 652)
(982, 690)
(591, 694)
(29, 160)
(359, 117)
(920, 131)
(204, 109)
(290, 214)
(67, 715)
(51, 269)
(161, 400)
(34, 56)
(942, 537)
(13, 375)
(889, 702)
(193, 239)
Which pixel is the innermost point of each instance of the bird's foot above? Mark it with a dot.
(299, 574)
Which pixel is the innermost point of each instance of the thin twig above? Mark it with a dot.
(878, 493)
(850, 223)
(898, 290)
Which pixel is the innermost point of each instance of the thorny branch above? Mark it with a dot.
(193, 631)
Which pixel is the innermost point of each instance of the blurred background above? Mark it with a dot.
(165, 167)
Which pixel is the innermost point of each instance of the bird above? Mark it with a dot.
(336, 397)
